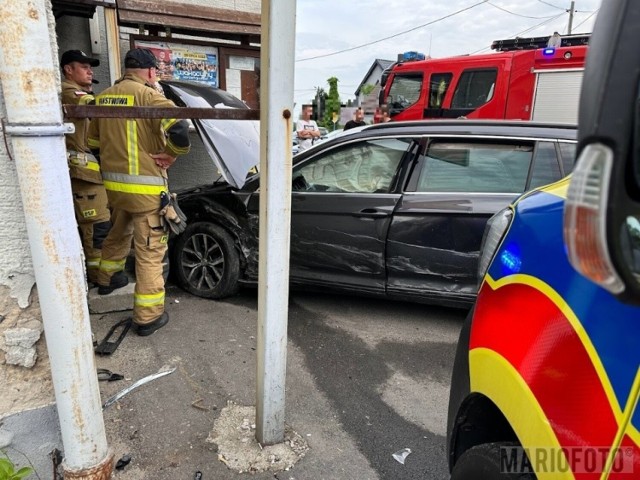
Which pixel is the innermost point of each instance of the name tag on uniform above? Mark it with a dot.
(89, 213)
(164, 238)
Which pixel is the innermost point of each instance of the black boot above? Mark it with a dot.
(118, 280)
(149, 328)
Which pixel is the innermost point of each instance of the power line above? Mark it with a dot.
(394, 35)
(525, 31)
(586, 19)
(516, 14)
(551, 5)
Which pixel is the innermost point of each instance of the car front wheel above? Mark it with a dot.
(206, 261)
(486, 462)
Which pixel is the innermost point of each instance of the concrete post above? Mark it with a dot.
(571, 11)
(28, 63)
(276, 99)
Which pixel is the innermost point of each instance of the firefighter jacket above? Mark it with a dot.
(82, 164)
(133, 180)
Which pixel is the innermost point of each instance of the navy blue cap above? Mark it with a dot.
(140, 58)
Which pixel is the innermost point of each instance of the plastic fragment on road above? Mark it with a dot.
(165, 370)
(401, 455)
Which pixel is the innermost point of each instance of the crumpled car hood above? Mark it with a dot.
(233, 145)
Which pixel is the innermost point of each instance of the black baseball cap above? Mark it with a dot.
(77, 56)
(140, 58)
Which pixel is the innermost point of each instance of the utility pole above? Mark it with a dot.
(571, 11)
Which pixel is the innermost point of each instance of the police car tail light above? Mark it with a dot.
(585, 217)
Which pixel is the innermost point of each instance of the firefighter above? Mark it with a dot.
(135, 155)
(89, 195)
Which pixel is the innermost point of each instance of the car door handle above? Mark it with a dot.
(370, 213)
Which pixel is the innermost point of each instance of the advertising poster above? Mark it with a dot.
(195, 63)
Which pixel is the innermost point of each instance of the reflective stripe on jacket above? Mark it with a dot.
(80, 166)
(132, 178)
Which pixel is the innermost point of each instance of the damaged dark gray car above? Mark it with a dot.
(395, 210)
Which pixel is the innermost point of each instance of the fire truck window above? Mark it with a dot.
(546, 168)
(568, 152)
(404, 92)
(438, 86)
(475, 167)
(475, 88)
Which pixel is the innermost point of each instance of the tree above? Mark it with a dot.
(332, 103)
(367, 88)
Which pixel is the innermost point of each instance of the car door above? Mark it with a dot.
(435, 235)
(341, 208)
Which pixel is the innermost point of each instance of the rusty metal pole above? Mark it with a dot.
(276, 58)
(28, 64)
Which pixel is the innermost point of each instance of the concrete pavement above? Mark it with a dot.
(165, 425)
(365, 378)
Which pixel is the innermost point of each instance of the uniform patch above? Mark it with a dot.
(164, 239)
(89, 213)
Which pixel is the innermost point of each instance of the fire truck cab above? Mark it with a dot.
(524, 81)
(546, 380)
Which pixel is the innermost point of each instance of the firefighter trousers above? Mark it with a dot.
(150, 245)
(92, 214)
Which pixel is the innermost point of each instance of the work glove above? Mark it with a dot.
(175, 219)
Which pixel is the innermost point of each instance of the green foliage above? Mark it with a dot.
(8, 470)
(367, 88)
(332, 104)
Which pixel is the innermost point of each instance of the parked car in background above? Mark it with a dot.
(395, 210)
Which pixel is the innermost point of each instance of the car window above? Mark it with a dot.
(404, 92)
(546, 168)
(363, 167)
(438, 86)
(475, 88)
(568, 152)
(463, 166)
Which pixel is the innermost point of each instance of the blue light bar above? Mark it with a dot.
(549, 51)
(510, 260)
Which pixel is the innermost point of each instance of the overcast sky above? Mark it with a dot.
(329, 26)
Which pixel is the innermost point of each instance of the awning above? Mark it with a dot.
(190, 19)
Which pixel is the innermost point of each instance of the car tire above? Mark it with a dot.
(206, 262)
(482, 462)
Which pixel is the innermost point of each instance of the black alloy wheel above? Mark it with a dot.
(206, 261)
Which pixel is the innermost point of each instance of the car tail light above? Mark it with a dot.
(585, 217)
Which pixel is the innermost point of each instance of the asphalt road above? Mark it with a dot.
(365, 378)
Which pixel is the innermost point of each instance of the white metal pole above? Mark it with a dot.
(28, 64)
(276, 105)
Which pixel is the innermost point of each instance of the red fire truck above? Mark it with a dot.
(524, 80)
